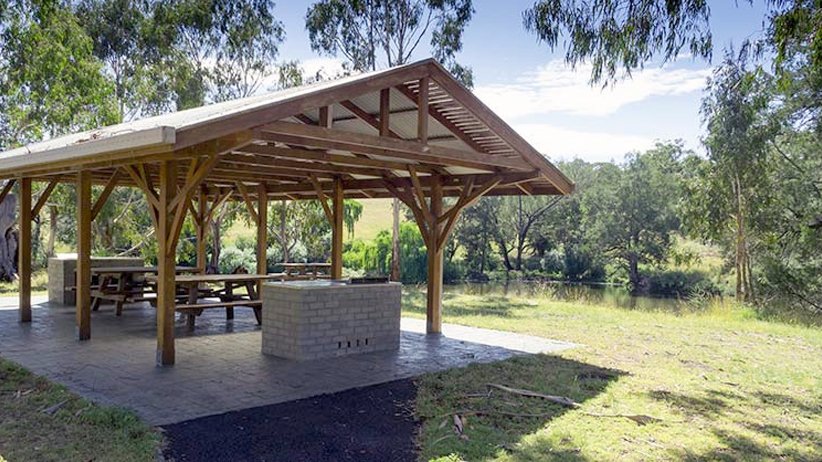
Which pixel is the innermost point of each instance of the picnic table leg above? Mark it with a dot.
(95, 304)
(193, 295)
(229, 292)
(121, 289)
(252, 295)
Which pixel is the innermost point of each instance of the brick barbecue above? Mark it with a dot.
(319, 319)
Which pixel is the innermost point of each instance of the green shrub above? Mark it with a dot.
(680, 283)
(231, 257)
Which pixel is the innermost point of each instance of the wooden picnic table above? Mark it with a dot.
(195, 286)
(128, 287)
(306, 270)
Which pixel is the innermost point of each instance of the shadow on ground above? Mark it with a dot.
(499, 421)
(749, 440)
(366, 424)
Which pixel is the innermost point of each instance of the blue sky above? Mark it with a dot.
(553, 106)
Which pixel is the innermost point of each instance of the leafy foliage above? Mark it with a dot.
(377, 33)
(50, 81)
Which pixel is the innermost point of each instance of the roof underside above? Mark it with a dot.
(294, 140)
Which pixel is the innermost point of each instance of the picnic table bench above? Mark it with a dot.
(124, 284)
(306, 270)
(195, 285)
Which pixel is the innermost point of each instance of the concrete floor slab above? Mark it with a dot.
(220, 367)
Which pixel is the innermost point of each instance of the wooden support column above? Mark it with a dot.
(24, 250)
(262, 234)
(201, 225)
(166, 262)
(435, 225)
(433, 316)
(83, 285)
(337, 230)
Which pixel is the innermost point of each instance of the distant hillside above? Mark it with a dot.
(376, 216)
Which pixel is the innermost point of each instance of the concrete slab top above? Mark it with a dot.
(220, 366)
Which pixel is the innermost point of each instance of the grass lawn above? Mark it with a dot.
(39, 285)
(43, 421)
(720, 385)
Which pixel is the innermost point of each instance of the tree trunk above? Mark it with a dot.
(504, 253)
(8, 238)
(283, 237)
(395, 241)
(35, 242)
(741, 267)
(633, 272)
(215, 247)
(52, 231)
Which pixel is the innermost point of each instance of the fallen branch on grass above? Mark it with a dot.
(639, 419)
(562, 400)
(52, 409)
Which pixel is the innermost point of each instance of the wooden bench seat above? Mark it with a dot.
(194, 310)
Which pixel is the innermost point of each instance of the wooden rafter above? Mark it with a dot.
(247, 200)
(322, 198)
(449, 125)
(44, 196)
(104, 195)
(366, 117)
(7, 188)
(326, 138)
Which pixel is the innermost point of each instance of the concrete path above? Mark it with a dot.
(219, 366)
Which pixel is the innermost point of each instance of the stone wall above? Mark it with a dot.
(62, 277)
(325, 319)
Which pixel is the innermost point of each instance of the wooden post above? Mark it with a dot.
(202, 229)
(422, 112)
(83, 286)
(262, 234)
(337, 230)
(166, 262)
(435, 262)
(24, 250)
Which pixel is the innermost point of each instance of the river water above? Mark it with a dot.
(609, 295)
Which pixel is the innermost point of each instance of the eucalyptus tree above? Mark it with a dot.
(50, 81)
(734, 189)
(371, 34)
(619, 36)
(630, 215)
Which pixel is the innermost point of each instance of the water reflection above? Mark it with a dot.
(608, 295)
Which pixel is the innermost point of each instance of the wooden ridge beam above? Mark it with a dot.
(326, 138)
(425, 182)
(301, 167)
(323, 156)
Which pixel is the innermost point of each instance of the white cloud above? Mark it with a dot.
(566, 144)
(555, 88)
(326, 67)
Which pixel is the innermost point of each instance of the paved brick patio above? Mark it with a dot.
(219, 366)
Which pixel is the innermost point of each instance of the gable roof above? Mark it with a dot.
(458, 126)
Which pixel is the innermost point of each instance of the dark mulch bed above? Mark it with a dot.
(365, 424)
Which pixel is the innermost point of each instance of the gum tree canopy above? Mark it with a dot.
(622, 35)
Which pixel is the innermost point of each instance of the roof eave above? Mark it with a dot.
(125, 144)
